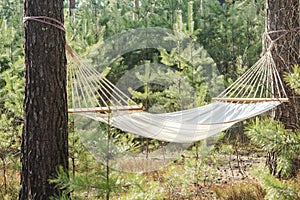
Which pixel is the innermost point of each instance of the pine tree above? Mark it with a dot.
(282, 29)
(45, 137)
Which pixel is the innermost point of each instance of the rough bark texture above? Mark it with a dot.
(282, 20)
(45, 137)
(284, 15)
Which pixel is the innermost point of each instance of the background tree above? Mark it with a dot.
(45, 138)
(283, 32)
(283, 37)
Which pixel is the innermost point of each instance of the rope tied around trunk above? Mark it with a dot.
(46, 20)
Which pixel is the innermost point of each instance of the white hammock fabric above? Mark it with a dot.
(184, 126)
(259, 90)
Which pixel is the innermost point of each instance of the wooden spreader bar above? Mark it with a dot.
(105, 109)
(248, 100)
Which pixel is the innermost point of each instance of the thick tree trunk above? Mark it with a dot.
(282, 25)
(45, 137)
(282, 21)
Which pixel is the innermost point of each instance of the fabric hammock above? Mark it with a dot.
(258, 90)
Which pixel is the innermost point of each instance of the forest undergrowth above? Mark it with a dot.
(228, 171)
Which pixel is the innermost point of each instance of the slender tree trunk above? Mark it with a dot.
(71, 6)
(136, 6)
(45, 137)
(282, 25)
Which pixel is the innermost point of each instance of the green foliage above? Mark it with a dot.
(271, 136)
(11, 18)
(275, 188)
(11, 120)
(184, 178)
(293, 79)
(91, 182)
(140, 186)
(11, 101)
(11, 95)
(231, 33)
(81, 29)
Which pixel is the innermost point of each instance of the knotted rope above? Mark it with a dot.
(283, 32)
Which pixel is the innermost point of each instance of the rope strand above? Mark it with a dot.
(46, 20)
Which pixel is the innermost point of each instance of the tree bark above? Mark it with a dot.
(136, 4)
(45, 136)
(282, 19)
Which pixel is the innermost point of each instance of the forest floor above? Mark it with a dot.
(230, 170)
(217, 175)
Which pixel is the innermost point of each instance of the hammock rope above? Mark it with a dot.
(260, 83)
(92, 92)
